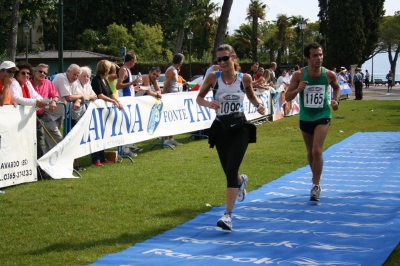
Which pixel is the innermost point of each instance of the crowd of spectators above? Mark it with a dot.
(71, 92)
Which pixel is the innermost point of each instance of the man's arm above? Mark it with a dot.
(122, 75)
(334, 83)
(148, 82)
(296, 85)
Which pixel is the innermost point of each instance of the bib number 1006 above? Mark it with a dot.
(315, 100)
(229, 107)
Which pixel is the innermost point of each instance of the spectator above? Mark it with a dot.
(125, 84)
(263, 84)
(282, 81)
(149, 87)
(181, 80)
(212, 68)
(358, 84)
(112, 79)
(253, 70)
(22, 91)
(65, 83)
(390, 80)
(46, 89)
(127, 87)
(259, 73)
(290, 74)
(172, 85)
(103, 91)
(53, 76)
(7, 71)
(85, 89)
(272, 70)
(150, 81)
(366, 79)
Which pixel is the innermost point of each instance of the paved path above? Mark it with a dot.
(380, 93)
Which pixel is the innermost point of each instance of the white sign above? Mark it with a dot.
(103, 126)
(17, 145)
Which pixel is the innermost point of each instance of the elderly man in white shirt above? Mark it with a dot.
(65, 83)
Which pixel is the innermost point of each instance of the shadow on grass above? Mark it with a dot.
(124, 239)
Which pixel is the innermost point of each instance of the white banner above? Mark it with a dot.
(103, 126)
(17, 145)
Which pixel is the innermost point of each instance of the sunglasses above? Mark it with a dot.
(9, 71)
(24, 73)
(224, 58)
(42, 72)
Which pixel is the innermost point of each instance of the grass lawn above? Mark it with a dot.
(77, 221)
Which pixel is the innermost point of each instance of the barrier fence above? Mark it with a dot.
(103, 126)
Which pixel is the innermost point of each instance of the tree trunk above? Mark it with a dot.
(254, 42)
(181, 29)
(393, 60)
(12, 37)
(222, 25)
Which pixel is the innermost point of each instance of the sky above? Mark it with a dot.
(306, 8)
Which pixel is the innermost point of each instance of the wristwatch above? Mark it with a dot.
(336, 100)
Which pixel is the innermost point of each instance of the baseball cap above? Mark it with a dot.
(8, 65)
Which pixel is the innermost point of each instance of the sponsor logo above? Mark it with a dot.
(155, 117)
(231, 97)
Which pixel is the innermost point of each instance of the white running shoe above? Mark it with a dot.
(242, 189)
(174, 142)
(315, 193)
(225, 222)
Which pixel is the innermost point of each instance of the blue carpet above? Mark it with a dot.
(357, 221)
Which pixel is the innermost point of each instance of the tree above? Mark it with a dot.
(15, 11)
(222, 25)
(255, 11)
(271, 44)
(148, 41)
(184, 10)
(389, 33)
(283, 24)
(12, 35)
(117, 36)
(242, 38)
(204, 24)
(349, 23)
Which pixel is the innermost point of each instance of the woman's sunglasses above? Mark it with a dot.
(224, 58)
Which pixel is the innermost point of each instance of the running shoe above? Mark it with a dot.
(225, 222)
(98, 164)
(242, 189)
(314, 193)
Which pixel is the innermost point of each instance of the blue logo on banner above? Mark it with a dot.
(155, 117)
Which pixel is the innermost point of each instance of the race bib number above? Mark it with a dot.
(314, 96)
(230, 103)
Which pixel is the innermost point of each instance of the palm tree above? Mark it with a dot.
(204, 24)
(283, 23)
(222, 25)
(255, 11)
(242, 37)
